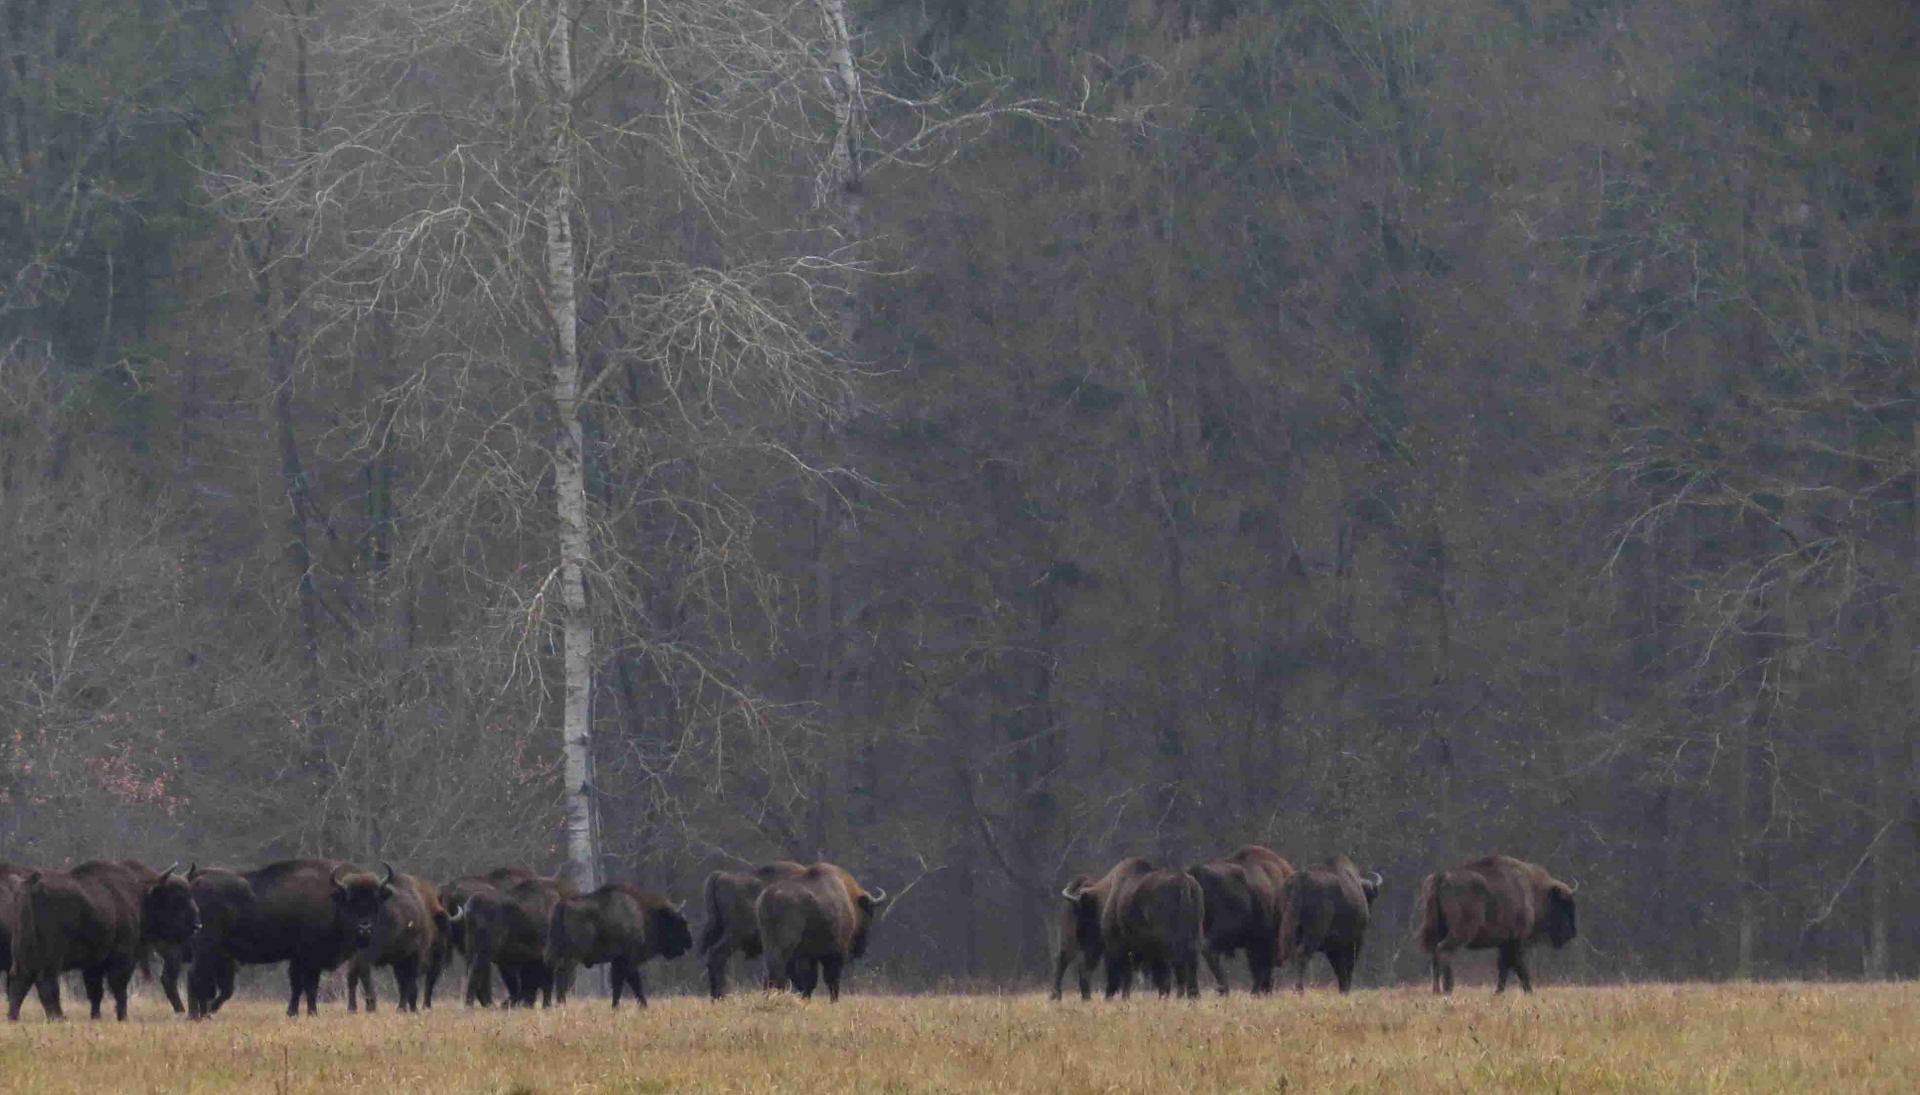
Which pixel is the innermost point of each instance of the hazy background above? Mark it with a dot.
(1371, 426)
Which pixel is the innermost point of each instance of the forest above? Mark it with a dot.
(971, 441)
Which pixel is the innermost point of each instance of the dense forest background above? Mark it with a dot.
(1142, 426)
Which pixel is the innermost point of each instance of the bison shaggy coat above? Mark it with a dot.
(621, 926)
(289, 911)
(507, 927)
(1241, 899)
(454, 897)
(731, 923)
(1079, 935)
(812, 925)
(1325, 910)
(101, 918)
(409, 935)
(1495, 903)
(1150, 919)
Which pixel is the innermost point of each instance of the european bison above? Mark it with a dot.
(731, 924)
(288, 911)
(1079, 935)
(507, 926)
(101, 918)
(1324, 910)
(408, 935)
(453, 897)
(1496, 902)
(812, 924)
(1149, 918)
(1241, 897)
(619, 925)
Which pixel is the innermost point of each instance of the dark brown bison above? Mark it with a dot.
(1325, 910)
(1079, 935)
(812, 924)
(408, 936)
(507, 927)
(1241, 897)
(1493, 903)
(1150, 919)
(619, 925)
(101, 918)
(453, 897)
(290, 911)
(731, 924)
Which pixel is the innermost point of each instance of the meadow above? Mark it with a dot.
(1747, 1037)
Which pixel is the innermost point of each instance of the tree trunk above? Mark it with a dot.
(569, 470)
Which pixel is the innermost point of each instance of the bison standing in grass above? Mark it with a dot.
(1079, 935)
(1325, 910)
(454, 897)
(1149, 918)
(288, 912)
(619, 925)
(101, 918)
(1496, 903)
(731, 923)
(1241, 899)
(409, 935)
(812, 924)
(507, 927)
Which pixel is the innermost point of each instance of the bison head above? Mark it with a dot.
(668, 931)
(1370, 884)
(1560, 919)
(167, 909)
(358, 898)
(864, 907)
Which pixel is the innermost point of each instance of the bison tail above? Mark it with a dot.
(1291, 918)
(714, 929)
(1432, 913)
(34, 943)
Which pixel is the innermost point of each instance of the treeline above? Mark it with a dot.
(1358, 426)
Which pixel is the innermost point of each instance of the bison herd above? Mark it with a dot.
(1137, 917)
(105, 919)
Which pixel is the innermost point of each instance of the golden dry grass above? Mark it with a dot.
(1785, 1037)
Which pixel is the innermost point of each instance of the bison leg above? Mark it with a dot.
(435, 964)
(1520, 968)
(1061, 960)
(830, 972)
(95, 978)
(717, 957)
(1259, 967)
(805, 975)
(406, 984)
(224, 971)
(170, 978)
(353, 987)
(1218, 968)
(1162, 975)
(1119, 975)
(1507, 951)
(1341, 959)
(119, 975)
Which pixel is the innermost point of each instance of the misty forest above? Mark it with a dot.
(975, 440)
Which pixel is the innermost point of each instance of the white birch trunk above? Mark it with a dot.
(569, 472)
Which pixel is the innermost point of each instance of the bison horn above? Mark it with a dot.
(1073, 891)
(458, 914)
(168, 873)
(1573, 885)
(193, 870)
(386, 883)
(1377, 880)
(878, 897)
(335, 877)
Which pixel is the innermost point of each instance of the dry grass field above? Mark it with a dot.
(1784, 1037)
